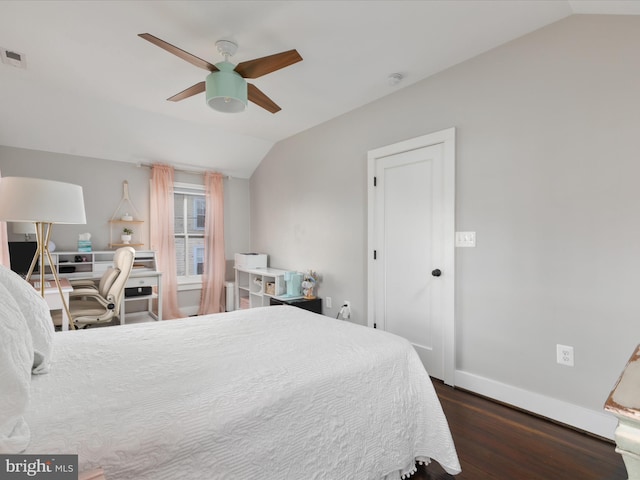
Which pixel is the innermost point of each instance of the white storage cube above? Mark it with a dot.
(251, 260)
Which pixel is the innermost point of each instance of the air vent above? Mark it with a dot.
(13, 58)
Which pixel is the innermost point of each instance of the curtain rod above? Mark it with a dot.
(195, 171)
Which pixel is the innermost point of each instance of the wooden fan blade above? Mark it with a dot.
(261, 66)
(192, 59)
(256, 96)
(189, 92)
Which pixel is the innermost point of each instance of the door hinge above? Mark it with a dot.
(375, 181)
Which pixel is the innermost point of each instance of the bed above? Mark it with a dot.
(271, 393)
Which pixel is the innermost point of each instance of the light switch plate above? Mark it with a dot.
(465, 239)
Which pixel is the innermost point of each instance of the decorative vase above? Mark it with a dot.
(307, 286)
(126, 239)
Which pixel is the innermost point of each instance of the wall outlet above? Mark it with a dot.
(564, 355)
(327, 302)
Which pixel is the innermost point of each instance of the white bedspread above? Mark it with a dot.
(271, 393)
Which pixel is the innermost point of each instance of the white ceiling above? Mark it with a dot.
(92, 87)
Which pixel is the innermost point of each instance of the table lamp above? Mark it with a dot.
(43, 203)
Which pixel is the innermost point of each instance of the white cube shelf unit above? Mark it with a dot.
(255, 286)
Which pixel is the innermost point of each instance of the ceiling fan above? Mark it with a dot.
(225, 87)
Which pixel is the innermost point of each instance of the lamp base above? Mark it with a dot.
(43, 235)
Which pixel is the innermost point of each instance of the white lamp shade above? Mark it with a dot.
(37, 200)
(23, 228)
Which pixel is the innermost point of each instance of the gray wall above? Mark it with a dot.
(102, 187)
(547, 175)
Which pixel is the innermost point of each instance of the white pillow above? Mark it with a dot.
(16, 360)
(37, 315)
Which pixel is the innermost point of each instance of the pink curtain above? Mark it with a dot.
(162, 237)
(212, 297)
(4, 243)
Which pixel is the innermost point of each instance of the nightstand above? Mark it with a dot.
(313, 305)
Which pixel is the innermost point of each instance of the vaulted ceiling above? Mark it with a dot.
(92, 87)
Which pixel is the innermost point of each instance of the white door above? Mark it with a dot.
(411, 286)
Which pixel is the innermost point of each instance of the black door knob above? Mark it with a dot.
(436, 272)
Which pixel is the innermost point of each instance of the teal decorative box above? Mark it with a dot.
(84, 245)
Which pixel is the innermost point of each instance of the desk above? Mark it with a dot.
(52, 296)
(144, 279)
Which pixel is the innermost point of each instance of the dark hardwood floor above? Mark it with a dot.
(498, 442)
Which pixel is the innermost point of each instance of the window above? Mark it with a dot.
(198, 260)
(190, 211)
(200, 206)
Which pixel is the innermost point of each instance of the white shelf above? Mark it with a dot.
(96, 263)
(255, 286)
(127, 209)
(139, 317)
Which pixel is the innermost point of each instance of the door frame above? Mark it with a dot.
(447, 138)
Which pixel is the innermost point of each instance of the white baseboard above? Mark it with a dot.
(598, 423)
